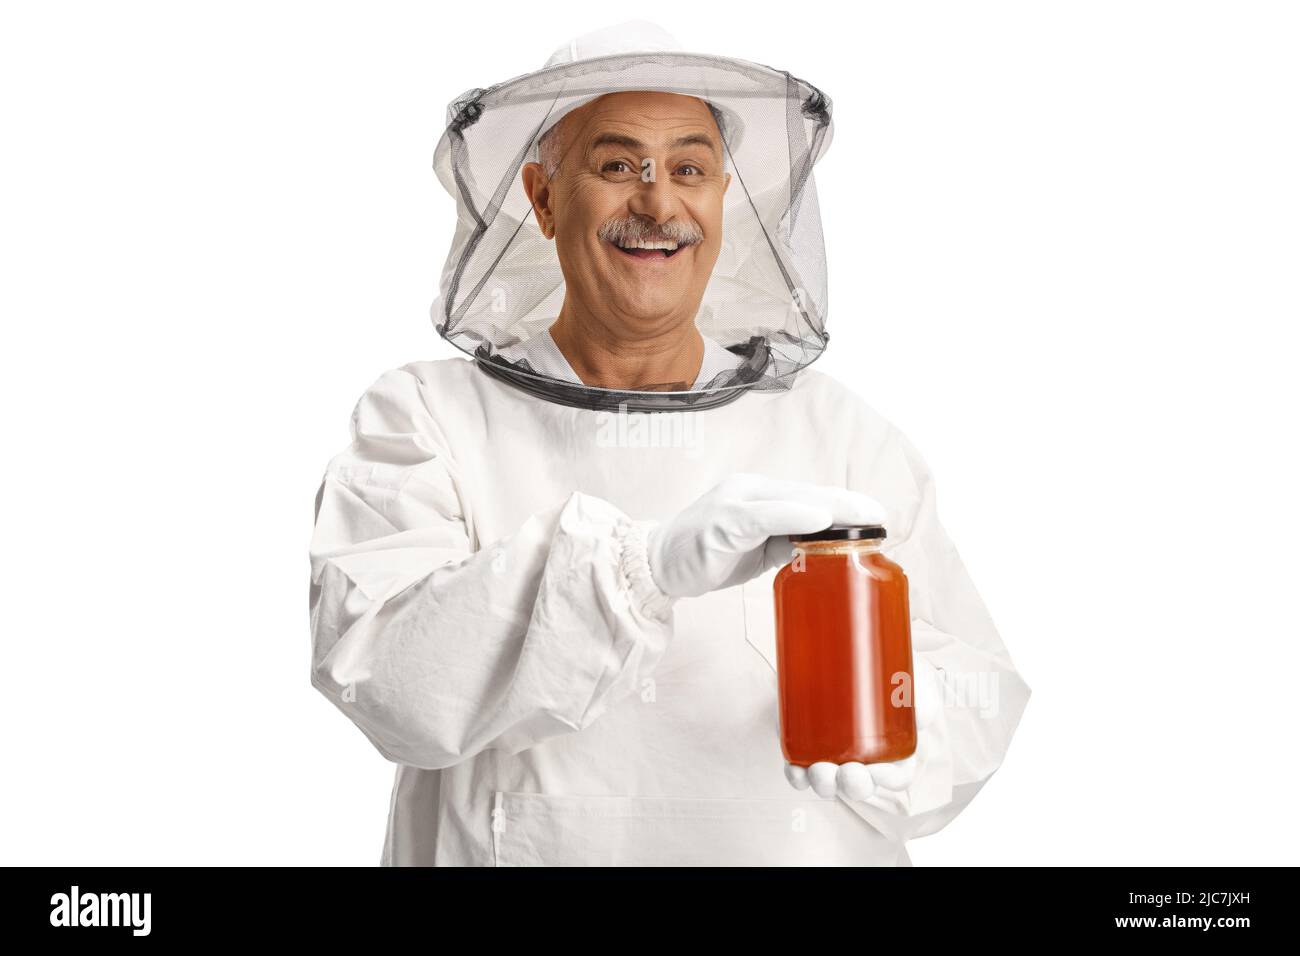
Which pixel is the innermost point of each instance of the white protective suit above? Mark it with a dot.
(482, 609)
(482, 604)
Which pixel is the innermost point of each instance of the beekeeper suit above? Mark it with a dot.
(542, 574)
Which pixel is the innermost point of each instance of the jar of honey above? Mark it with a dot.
(844, 650)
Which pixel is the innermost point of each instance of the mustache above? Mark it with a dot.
(632, 229)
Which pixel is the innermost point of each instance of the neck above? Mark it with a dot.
(668, 360)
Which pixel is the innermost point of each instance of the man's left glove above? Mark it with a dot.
(859, 781)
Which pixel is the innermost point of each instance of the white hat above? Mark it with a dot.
(634, 36)
(631, 37)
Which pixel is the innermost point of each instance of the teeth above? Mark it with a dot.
(650, 244)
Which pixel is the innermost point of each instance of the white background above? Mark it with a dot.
(1064, 252)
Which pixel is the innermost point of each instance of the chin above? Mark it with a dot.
(649, 309)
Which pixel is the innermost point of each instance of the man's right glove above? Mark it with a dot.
(738, 530)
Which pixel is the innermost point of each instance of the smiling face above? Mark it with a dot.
(635, 209)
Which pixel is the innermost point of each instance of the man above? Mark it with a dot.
(561, 634)
(638, 258)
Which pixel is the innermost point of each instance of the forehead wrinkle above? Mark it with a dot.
(612, 111)
(612, 137)
(609, 138)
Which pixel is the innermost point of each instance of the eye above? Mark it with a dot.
(690, 170)
(616, 166)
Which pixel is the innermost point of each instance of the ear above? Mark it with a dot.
(538, 189)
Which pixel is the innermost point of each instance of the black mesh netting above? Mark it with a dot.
(765, 299)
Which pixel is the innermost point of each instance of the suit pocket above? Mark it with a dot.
(537, 829)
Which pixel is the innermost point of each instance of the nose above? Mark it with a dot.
(654, 200)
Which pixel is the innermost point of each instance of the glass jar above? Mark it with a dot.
(844, 650)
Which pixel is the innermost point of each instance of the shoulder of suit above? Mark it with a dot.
(830, 401)
(402, 398)
(435, 372)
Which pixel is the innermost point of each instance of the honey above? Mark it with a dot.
(844, 651)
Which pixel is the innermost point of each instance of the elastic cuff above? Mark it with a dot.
(634, 565)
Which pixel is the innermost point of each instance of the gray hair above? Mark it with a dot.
(550, 149)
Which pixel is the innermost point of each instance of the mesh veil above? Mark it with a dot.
(765, 301)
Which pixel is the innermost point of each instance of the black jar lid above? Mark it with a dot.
(843, 532)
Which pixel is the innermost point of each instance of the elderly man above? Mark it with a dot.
(637, 221)
(565, 640)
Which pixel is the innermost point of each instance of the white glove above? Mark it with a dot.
(860, 781)
(738, 530)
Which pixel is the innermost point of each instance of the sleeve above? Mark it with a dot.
(981, 695)
(437, 651)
